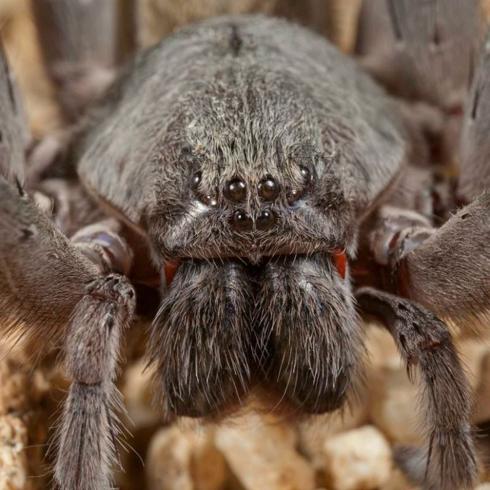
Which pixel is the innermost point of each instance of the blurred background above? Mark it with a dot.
(142, 23)
(253, 451)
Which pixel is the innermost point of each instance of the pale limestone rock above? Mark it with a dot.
(397, 481)
(486, 8)
(337, 18)
(345, 17)
(138, 392)
(28, 399)
(393, 401)
(183, 459)
(315, 431)
(472, 353)
(261, 454)
(483, 486)
(13, 461)
(359, 459)
(13, 382)
(21, 44)
(9, 8)
(382, 351)
(394, 406)
(481, 411)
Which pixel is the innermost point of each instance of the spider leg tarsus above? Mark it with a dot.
(424, 340)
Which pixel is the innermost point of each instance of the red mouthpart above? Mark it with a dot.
(170, 269)
(340, 261)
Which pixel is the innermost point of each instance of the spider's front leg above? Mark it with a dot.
(447, 269)
(450, 271)
(50, 289)
(87, 437)
(424, 341)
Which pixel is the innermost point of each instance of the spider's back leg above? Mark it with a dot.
(81, 46)
(422, 49)
(447, 268)
(14, 134)
(474, 175)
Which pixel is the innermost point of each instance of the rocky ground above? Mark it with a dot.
(252, 451)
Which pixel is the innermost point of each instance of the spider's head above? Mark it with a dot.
(246, 176)
(246, 184)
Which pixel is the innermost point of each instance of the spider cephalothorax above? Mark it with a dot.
(242, 184)
(252, 175)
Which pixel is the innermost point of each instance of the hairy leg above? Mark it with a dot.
(424, 341)
(87, 436)
(79, 40)
(445, 269)
(14, 135)
(423, 49)
(474, 175)
(42, 277)
(54, 289)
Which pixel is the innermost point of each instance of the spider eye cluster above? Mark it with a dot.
(268, 189)
(237, 190)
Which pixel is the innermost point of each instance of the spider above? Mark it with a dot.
(268, 189)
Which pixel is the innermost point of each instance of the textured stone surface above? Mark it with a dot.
(13, 381)
(481, 411)
(335, 18)
(314, 432)
(359, 459)
(20, 38)
(397, 481)
(185, 459)
(138, 395)
(343, 26)
(393, 405)
(261, 454)
(13, 461)
(392, 398)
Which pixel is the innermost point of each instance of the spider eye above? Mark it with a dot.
(294, 195)
(266, 219)
(340, 261)
(241, 221)
(236, 190)
(268, 188)
(305, 173)
(196, 180)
